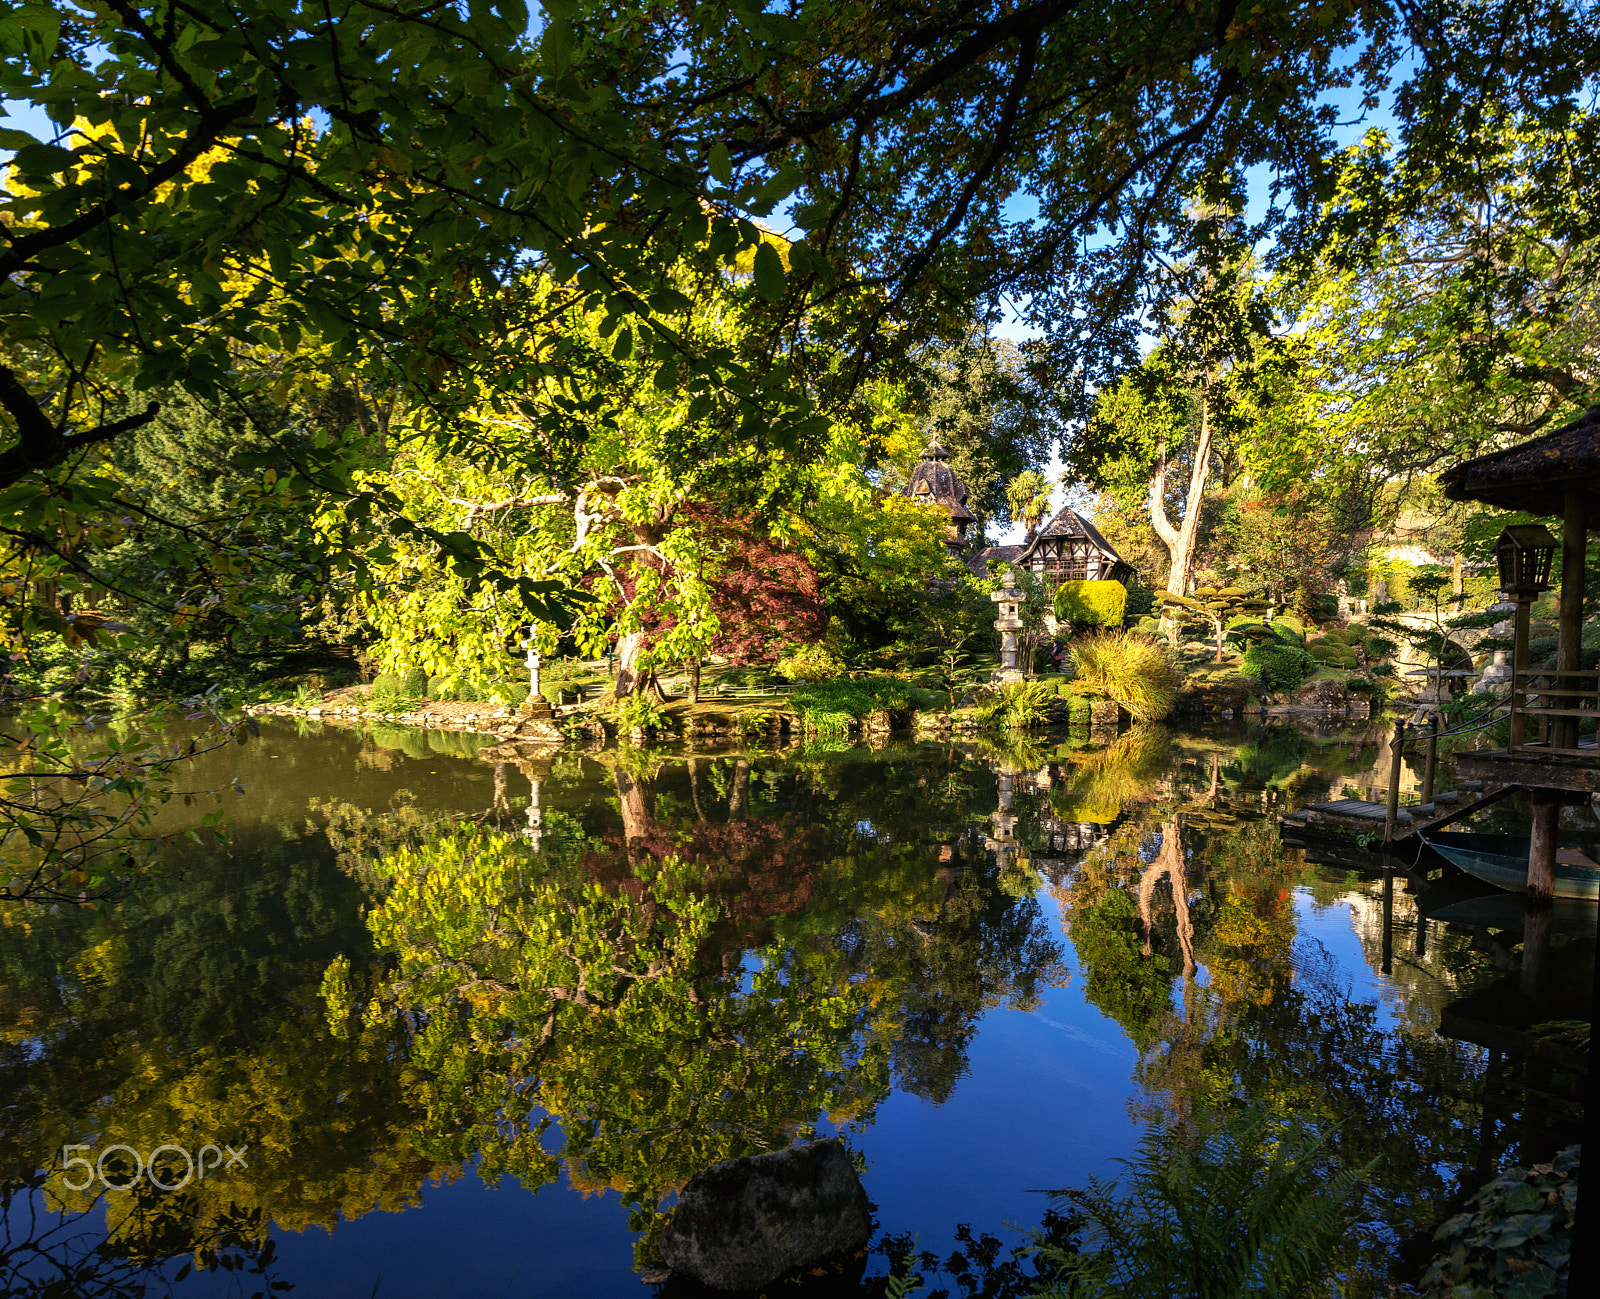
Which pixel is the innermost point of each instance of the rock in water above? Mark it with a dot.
(744, 1223)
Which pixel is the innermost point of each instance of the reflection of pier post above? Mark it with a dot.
(1388, 920)
(1535, 947)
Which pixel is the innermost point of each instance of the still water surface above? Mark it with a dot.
(473, 1015)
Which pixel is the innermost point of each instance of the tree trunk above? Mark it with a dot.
(1180, 538)
(631, 678)
(632, 801)
(694, 682)
(694, 788)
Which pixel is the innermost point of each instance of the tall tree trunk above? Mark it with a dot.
(633, 802)
(694, 787)
(1180, 538)
(631, 678)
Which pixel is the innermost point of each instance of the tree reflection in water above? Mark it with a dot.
(736, 951)
(623, 967)
(1184, 924)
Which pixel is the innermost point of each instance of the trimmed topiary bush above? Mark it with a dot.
(1277, 666)
(1092, 604)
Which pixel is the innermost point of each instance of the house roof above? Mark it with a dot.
(1069, 523)
(1535, 475)
(979, 563)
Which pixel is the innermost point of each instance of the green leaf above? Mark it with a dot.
(721, 164)
(769, 272)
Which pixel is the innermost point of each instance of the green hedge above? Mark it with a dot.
(1278, 667)
(1092, 604)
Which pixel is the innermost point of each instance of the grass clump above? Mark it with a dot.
(639, 712)
(828, 707)
(389, 695)
(1134, 669)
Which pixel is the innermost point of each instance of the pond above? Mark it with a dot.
(444, 1020)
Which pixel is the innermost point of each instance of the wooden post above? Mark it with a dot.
(1542, 845)
(1433, 759)
(1569, 646)
(1519, 665)
(1392, 815)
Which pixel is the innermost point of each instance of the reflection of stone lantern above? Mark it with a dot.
(1008, 624)
(535, 831)
(1004, 843)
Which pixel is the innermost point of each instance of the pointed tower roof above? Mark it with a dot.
(934, 480)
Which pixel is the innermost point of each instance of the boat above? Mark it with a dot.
(1462, 900)
(1502, 860)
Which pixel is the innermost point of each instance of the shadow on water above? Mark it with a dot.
(417, 966)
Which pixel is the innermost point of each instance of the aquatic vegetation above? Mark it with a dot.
(1221, 1205)
(1515, 1238)
(1134, 669)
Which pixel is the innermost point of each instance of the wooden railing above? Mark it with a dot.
(1542, 702)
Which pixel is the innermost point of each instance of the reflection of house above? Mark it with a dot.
(933, 482)
(1067, 549)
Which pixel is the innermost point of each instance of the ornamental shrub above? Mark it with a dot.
(1141, 603)
(1092, 604)
(414, 682)
(1015, 705)
(813, 662)
(1278, 667)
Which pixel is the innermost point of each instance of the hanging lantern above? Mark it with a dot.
(1524, 553)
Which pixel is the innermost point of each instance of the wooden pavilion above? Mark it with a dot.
(1556, 475)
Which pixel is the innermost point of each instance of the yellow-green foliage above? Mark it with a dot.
(1134, 669)
(814, 662)
(1101, 604)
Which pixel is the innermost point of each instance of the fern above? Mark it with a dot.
(1215, 1208)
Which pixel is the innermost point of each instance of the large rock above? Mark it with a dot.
(744, 1223)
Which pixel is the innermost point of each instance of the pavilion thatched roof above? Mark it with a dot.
(1534, 475)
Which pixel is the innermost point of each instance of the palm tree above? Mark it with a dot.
(1029, 497)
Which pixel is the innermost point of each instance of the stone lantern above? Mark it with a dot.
(1008, 624)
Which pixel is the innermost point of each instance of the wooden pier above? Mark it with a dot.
(1346, 817)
